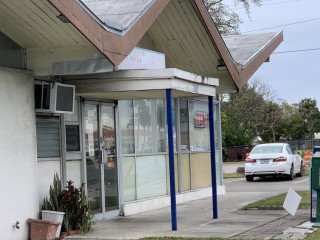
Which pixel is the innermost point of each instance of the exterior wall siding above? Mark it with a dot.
(18, 164)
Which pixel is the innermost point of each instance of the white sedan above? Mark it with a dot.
(273, 159)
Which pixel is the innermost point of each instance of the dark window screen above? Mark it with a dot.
(38, 95)
(42, 96)
(72, 138)
(64, 98)
(46, 97)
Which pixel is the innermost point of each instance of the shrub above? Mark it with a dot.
(73, 202)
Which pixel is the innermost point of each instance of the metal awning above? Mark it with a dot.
(139, 84)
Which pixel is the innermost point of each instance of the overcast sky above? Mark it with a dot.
(293, 76)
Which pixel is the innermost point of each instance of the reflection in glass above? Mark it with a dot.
(151, 176)
(217, 126)
(199, 126)
(92, 156)
(111, 184)
(110, 166)
(126, 126)
(108, 129)
(128, 179)
(184, 125)
(149, 125)
(143, 126)
(161, 125)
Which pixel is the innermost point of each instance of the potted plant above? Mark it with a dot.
(73, 203)
(51, 208)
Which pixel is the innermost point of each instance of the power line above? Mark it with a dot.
(279, 2)
(266, 4)
(298, 50)
(284, 25)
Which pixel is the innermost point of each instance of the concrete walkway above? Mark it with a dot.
(195, 220)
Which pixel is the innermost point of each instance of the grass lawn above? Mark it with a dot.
(313, 236)
(232, 175)
(277, 201)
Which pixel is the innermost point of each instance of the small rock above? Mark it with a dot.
(240, 171)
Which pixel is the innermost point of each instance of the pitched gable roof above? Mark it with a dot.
(116, 32)
(115, 47)
(116, 16)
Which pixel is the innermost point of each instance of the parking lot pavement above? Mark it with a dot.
(231, 167)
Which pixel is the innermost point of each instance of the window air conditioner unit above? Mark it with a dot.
(54, 98)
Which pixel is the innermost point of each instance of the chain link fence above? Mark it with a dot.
(304, 144)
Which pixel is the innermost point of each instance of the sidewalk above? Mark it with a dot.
(195, 220)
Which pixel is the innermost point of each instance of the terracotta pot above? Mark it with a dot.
(42, 230)
(70, 233)
(53, 216)
(74, 232)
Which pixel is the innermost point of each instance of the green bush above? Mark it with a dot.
(73, 202)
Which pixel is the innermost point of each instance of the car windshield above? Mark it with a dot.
(267, 149)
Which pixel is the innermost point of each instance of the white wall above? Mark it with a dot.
(18, 162)
(40, 59)
(46, 172)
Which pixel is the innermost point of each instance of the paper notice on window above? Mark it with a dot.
(90, 139)
(292, 201)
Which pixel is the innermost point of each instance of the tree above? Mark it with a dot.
(245, 109)
(310, 114)
(226, 20)
(291, 126)
(271, 116)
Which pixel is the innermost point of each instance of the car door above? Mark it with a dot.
(295, 159)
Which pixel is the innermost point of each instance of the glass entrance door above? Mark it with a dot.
(101, 159)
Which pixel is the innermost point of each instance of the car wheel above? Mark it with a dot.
(291, 175)
(249, 178)
(300, 174)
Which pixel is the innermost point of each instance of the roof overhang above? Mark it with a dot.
(138, 84)
(240, 74)
(116, 47)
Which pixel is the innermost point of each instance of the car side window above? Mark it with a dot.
(289, 150)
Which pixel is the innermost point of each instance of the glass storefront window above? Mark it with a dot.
(92, 155)
(184, 125)
(199, 133)
(129, 178)
(144, 134)
(126, 126)
(149, 115)
(151, 176)
(111, 184)
(161, 125)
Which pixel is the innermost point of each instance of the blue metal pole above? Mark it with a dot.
(171, 161)
(213, 159)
